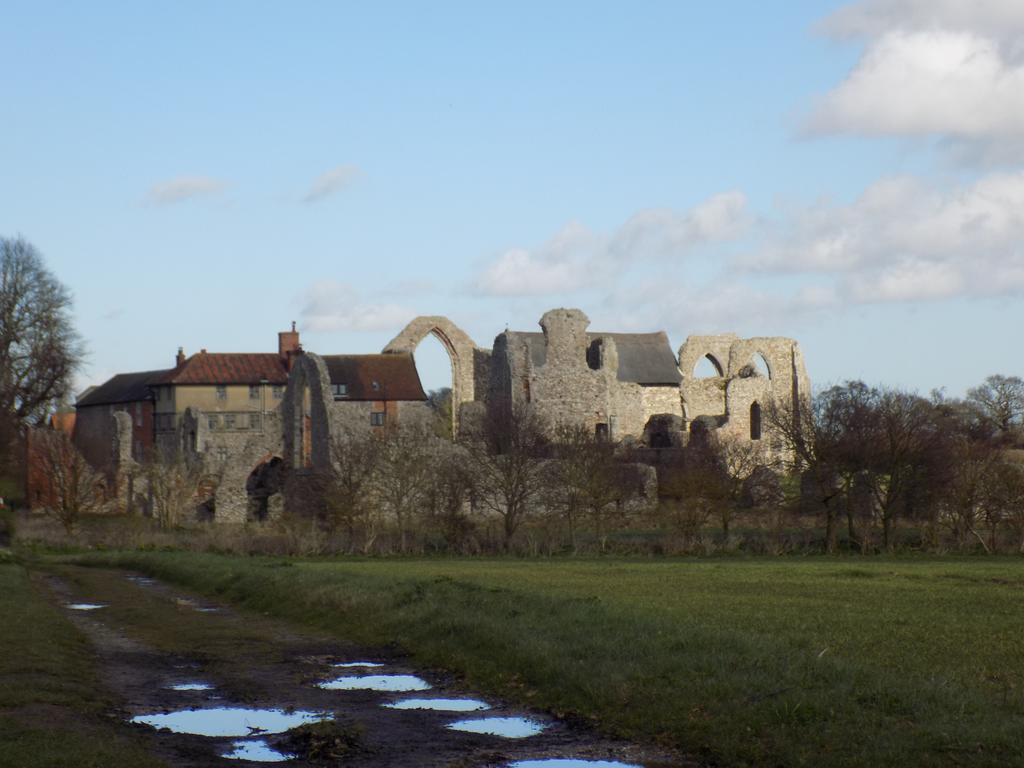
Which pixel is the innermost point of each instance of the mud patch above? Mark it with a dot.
(440, 705)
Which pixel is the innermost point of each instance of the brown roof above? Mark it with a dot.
(228, 368)
(644, 358)
(376, 377)
(122, 388)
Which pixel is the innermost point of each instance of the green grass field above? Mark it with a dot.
(53, 709)
(737, 662)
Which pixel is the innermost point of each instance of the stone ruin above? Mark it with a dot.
(631, 388)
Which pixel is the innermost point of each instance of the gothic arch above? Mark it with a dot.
(461, 349)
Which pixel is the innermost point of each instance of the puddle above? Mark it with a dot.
(395, 683)
(229, 721)
(206, 609)
(509, 727)
(85, 606)
(357, 664)
(256, 751)
(570, 762)
(441, 705)
(190, 687)
(143, 580)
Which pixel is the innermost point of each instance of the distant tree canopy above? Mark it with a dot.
(39, 347)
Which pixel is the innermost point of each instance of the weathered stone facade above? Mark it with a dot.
(628, 386)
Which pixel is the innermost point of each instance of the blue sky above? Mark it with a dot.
(849, 174)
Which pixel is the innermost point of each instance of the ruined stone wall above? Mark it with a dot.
(470, 363)
(565, 390)
(732, 396)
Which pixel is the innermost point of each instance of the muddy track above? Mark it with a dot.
(149, 636)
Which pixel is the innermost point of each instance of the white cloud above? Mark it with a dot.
(183, 188)
(331, 182)
(576, 258)
(999, 19)
(903, 241)
(936, 82)
(330, 305)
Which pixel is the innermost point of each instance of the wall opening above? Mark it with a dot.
(755, 421)
(761, 365)
(707, 368)
(436, 368)
(263, 483)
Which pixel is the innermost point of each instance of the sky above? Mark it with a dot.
(849, 174)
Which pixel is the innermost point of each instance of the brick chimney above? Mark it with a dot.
(180, 357)
(288, 345)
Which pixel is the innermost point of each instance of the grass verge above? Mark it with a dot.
(740, 662)
(53, 711)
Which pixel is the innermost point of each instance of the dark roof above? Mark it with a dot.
(394, 373)
(644, 358)
(122, 388)
(228, 368)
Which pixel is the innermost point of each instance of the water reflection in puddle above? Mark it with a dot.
(206, 609)
(145, 581)
(509, 727)
(85, 606)
(570, 762)
(229, 721)
(256, 751)
(441, 705)
(395, 683)
(356, 664)
(190, 687)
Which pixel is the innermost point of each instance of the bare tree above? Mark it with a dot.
(1000, 401)
(349, 497)
(74, 487)
(508, 450)
(403, 476)
(1005, 499)
(587, 478)
(39, 348)
(177, 486)
(449, 493)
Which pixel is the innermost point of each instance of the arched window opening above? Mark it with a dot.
(707, 368)
(761, 366)
(755, 421)
(436, 369)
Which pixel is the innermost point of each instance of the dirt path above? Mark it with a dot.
(149, 636)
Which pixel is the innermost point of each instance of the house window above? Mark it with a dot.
(601, 431)
(377, 419)
(229, 421)
(376, 386)
(254, 421)
(340, 391)
(222, 392)
(213, 422)
(254, 391)
(222, 454)
(755, 421)
(278, 391)
(138, 414)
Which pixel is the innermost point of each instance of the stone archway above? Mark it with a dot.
(461, 349)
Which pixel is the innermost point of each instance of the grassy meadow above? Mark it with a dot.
(844, 662)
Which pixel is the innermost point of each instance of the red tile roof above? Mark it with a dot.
(392, 376)
(228, 368)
